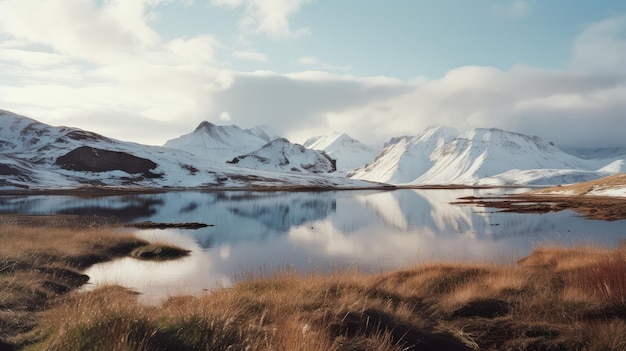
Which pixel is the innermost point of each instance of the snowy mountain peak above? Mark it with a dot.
(324, 141)
(438, 156)
(221, 143)
(205, 126)
(19, 134)
(349, 152)
(403, 159)
(34, 155)
(282, 155)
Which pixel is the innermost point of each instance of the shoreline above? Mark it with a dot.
(608, 208)
(106, 190)
(438, 305)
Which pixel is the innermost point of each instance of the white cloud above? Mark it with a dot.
(79, 28)
(601, 47)
(250, 55)
(270, 17)
(142, 81)
(31, 57)
(565, 107)
(198, 50)
(102, 62)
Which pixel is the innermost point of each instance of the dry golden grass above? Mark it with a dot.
(40, 265)
(72, 247)
(584, 198)
(610, 182)
(555, 299)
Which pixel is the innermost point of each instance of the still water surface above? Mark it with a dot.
(314, 231)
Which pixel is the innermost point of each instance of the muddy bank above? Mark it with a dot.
(592, 207)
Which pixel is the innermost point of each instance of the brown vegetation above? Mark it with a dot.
(568, 197)
(39, 266)
(592, 207)
(554, 299)
(606, 183)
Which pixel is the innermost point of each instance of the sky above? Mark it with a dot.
(151, 70)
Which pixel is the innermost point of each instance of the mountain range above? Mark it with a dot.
(440, 155)
(34, 155)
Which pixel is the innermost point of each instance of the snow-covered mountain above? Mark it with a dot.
(221, 143)
(34, 155)
(479, 156)
(404, 159)
(347, 151)
(282, 155)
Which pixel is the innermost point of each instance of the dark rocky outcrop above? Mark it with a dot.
(90, 159)
(9, 170)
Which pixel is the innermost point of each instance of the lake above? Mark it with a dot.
(262, 232)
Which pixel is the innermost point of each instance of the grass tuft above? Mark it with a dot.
(554, 299)
(159, 252)
(39, 266)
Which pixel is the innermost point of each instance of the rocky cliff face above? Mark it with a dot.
(86, 158)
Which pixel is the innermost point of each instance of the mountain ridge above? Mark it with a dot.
(36, 155)
(479, 156)
(221, 143)
(280, 154)
(39, 156)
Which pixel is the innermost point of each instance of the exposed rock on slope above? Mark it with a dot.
(282, 155)
(86, 158)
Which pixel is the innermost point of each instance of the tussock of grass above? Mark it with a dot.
(159, 252)
(556, 299)
(39, 265)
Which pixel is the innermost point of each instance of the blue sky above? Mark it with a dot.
(403, 39)
(151, 70)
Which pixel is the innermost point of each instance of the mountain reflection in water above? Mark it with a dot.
(315, 231)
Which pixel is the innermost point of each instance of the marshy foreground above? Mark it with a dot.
(554, 299)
